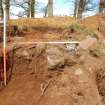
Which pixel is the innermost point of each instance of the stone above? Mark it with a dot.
(78, 72)
(58, 56)
(87, 43)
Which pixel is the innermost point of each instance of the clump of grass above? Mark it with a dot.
(75, 27)
(81, 30)
(99, 50)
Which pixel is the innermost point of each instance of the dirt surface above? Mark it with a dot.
(59, 74)
(27, 69)
(101, 81)
(33, 83)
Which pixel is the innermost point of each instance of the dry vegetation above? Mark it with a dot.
(55, 22)
(94, 22)
(53, 29)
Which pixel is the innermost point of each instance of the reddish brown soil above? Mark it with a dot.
(101, 81)
(32, 83)
(28, 75)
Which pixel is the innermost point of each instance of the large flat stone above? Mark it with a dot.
(87, 43)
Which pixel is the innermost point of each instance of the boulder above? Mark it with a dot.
(59, 56)
(87, 43)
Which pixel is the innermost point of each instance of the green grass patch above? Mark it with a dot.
(81, 30)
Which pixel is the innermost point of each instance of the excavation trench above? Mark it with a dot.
(24, 59)
(27, 71)
(52, 75)
(32, 57)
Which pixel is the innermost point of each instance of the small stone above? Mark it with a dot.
(78, 72)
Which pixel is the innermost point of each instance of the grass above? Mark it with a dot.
(55, 22)
(76, 27)
(81, 30)
(99, 49)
